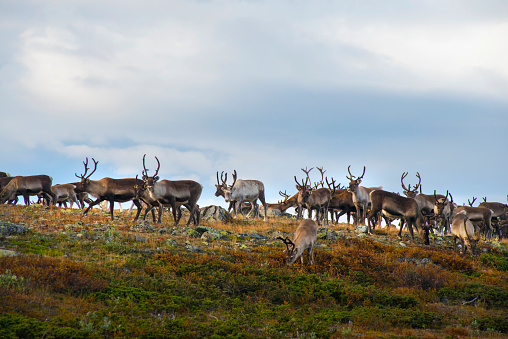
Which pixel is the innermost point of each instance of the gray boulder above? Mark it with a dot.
(9, 228)
(214, 213)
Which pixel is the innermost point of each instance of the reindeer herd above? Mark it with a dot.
(424, 213)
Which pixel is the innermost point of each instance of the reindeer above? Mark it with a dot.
(498, 209)
(222, 186)
(172, 193)
(288, 202)
(313, 198)
(304, 239)
(426, 202)
(64, 193)
(119, 190)
(478, 214)
(341, 202)
(443, 209)
(361, 195)
(26, 186)
(244, 190)
(463, 229)
(3, 182)
(396, 206)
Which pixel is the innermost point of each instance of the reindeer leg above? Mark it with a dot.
(112, 207)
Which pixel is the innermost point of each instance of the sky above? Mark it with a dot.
(265, 88)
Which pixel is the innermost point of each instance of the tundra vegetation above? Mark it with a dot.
(91, 277)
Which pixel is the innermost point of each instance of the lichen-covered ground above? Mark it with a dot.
(63, 275)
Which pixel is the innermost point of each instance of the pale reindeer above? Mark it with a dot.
(463, 229)
(361, 195)
(304, 239)
(245, 190)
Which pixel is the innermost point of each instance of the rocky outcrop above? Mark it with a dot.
(9, 228)
(215, 213)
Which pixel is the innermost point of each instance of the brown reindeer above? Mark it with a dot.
(304, 239)
(313, 198)
(463, 229)
(27, 186)
(396, 206)
(119, 190)
(498, 210)
(174, 193)
(478, 214)
(341, 202)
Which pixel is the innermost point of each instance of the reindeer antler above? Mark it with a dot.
(419, 182)
(471, 202)
(351, 176)
(234, 178)
(288, 243)
(86, 169)
(322, 177)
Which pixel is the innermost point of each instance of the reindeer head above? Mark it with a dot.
(441, 203)
(291, 251)
(228, 195)
(305, 190)
(221, 185)
(354, 183)
(150, 181)
(410, 193)
(85, 178)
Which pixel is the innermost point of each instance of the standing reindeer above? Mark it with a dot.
(244, 190)
(172, 193)
(119, 190)
(304, 239)
(313, 198)
(396, 206)
(361, 195)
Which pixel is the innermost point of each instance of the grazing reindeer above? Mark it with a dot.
(361, 195)
(463, 229)
(478, 214)
(396, 206)
(304, 239)
(244, 190)
(288, 202)
(172, 193)
(120, 190)
(313, 198)
(26, 186)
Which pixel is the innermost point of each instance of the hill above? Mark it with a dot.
(64, 276)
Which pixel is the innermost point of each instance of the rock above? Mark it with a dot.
(7, 253)
(189, 232)
(212, 235)
(215, 213)
(194, 249)
(362, 229)
(171, 243)
(9, 228)
(276, 234)
(142, 226)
